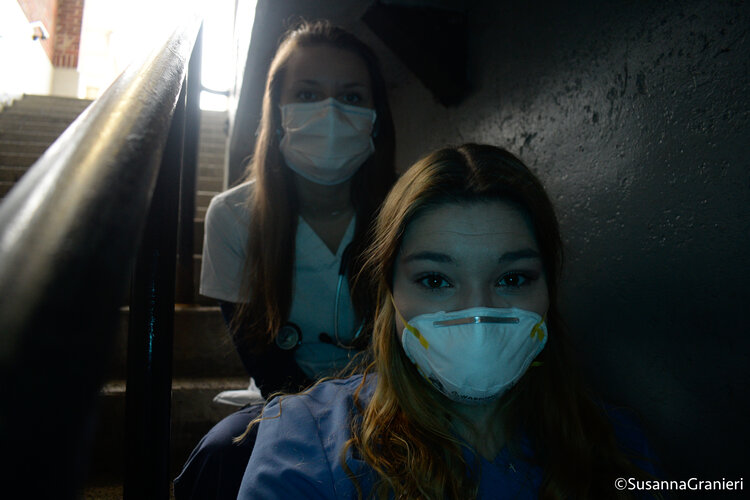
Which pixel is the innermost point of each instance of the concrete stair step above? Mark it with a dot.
(11, 174)
(213, 133)
(5, 187)
(211, 169)
(26, 146)
(17, 159)
(107, 491)
(212, 183)
(198, 228)
(213, 129)
(199, 299)
(193, 413)
(9, 119)
(203, 198)
(213, 160)
(202, 346)
(212, 146)
(209, 148)
(37, 125)
(35, 101)
(214, 117)
(37, 136)
(207, 168)
(51, 114)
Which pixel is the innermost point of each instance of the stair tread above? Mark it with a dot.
(117, 387)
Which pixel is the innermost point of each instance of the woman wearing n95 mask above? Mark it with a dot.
(470, 394)
(279, 247)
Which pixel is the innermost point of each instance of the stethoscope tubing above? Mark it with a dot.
(345, 256)
(336, 341)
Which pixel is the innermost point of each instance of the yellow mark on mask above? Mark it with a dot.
(413, 330)
(538, 331)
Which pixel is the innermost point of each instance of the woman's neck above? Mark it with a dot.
(326, 209)
(318, 201)
(482, 427)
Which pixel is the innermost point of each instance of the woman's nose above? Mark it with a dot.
(482, 296)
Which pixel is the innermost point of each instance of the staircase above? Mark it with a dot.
(27, 128)
(204, 359)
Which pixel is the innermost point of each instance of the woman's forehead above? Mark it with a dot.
(500, 224)
(326, 63)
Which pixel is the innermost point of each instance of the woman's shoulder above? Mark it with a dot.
(240, 193)
(325, 410)
(298, 449)
(328, 397)
(234, 201)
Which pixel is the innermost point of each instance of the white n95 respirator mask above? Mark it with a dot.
(326, 141)
(475, 355)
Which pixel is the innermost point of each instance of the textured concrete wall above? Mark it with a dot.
(636, 116)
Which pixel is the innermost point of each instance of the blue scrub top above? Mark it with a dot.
(297, 452)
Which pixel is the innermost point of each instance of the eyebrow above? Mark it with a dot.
(526, 253)
(306, 82)
(309, 81)
(507, 257)
(353, 85)
(431, 256)
(316, 83)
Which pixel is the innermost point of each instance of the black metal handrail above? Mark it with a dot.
(69, 234)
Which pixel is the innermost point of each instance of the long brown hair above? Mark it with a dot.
(405, 434)
(274, 205)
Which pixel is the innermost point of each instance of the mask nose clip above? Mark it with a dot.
(474, 320)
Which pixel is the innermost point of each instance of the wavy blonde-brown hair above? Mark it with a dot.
(406, 431)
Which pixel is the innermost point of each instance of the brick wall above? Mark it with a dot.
(62, 19)
(68, 33)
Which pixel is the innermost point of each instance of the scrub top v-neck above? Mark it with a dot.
(316, 274)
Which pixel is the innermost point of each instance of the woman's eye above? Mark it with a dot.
(351, 98)
(433, 282)
(306, 96)
(513, 280)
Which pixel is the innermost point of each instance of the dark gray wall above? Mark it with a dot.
(636, 116)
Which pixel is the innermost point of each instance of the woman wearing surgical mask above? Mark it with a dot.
(279, 248)
(470, 394)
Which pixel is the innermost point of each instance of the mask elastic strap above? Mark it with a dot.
(538, 332)
(413, 330)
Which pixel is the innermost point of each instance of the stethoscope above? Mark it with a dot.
(289, 335)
